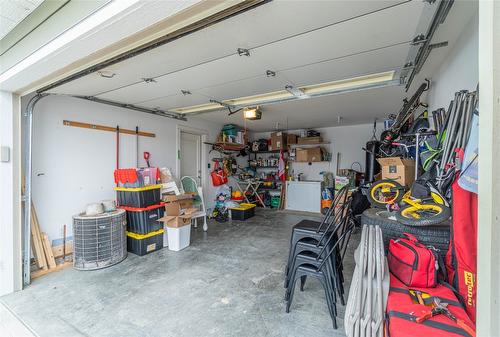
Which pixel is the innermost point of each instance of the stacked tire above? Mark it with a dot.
(437, 236)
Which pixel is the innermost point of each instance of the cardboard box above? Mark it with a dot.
(309, 140)
(176, 217)
(291, 139)
(341, 181)
(184, 200)
(398, 169)
(308, 155)
(278, 140)
(177, 198)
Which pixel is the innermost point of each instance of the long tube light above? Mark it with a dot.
(309, 91)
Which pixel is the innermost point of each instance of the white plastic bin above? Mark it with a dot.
(178, 238)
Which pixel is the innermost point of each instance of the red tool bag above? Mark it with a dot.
(461, 258)
(403, 310)
(124, 176)
(219, 177)
(413, 263)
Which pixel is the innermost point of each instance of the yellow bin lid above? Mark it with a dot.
(244, 207)
(145, 236)
(138, 189)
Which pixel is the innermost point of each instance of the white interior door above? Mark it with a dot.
(190, 156)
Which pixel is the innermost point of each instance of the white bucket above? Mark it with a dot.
(179, 238)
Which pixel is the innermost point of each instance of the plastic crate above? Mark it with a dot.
(243, 212)
(144, 220)
(139, 197)
(275, 201)
(142, 244)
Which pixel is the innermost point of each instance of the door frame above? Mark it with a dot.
(204, 155)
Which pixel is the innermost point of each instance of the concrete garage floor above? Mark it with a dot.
(229, 282)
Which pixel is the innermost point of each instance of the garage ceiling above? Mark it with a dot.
(303, 42)
(13, 12)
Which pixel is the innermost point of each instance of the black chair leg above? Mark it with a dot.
(302, 282)
(321, 277)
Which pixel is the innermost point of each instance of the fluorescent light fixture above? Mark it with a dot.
(309, 91)
(351, 83)
(252, 113)
(198, 108)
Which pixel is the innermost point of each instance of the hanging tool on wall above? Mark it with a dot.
(137, 146)
(117, 147)
(146, 157)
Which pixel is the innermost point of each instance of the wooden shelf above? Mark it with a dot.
(310, 162)
(309, 145)
(268, 151)
(231, 146)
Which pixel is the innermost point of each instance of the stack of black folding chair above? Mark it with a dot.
(317, 250)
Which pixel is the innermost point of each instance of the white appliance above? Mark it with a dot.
(303, 196)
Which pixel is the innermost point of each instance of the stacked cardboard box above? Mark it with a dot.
(177, 220)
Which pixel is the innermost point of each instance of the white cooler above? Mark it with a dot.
(178, 238)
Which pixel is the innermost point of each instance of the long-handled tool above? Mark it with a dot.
(146, 157)
(136, 146)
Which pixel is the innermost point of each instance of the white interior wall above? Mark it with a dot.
(348, 140)
(460, 69)
(74, 166)
(10, 231)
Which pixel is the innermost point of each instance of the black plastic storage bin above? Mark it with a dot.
(144, 220)
(142, 244)
(243, 212)
(139, 197)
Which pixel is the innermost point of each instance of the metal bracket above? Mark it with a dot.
(438, 45)
(149, 80)
(419, 39)
(185, 92)
(158, 112)
(270, 73)
(227, 106)
(243, 52)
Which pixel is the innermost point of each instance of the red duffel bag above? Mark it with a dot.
(219, 177)
(413, 263)
(403, 309)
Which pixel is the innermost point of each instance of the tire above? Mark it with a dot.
(394, 185)
(437, 236)
(424, 220)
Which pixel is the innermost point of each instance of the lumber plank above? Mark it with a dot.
(51, 261)
(37, 240)
(41, 272)
(58, 250)
(106, 128)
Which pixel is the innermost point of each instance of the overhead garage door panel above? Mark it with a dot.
(365, 33)
(368, 63)
(178, 100)
(218, 79)
(270, 22)
(221, 71)
(351, 66)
